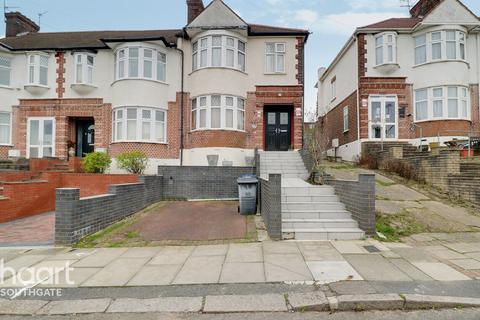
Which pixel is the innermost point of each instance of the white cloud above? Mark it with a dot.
(305, 16)
(346, 23)
(374, 5)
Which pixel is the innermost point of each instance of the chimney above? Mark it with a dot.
(423, 7)
(195, 7)
(17, 23)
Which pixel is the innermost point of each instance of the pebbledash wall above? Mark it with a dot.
(356, 73)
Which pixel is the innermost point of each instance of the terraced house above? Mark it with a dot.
(216, 89)
(409, 79)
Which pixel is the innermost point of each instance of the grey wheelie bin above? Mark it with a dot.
(247, 192)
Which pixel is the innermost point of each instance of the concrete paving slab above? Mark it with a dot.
(443, 253)
(396, 245)
(166, 259)
(376, 268)
(24, 261)
(422, 237)
(352, 287)
(20, 307)
(399, 192)
(464, 247)
(141, 252)
(458, 214)
(414, 301)
(414, 255)
(99, 258)
(117, 273)
(393, 207)
(410, 270)
(72, 254)
(210, 250)
(332, 271)
(349, 247)
(247, 303)
(308, 301)
(467, 264)
(280, 247)
(249, 252)
(440, 271)
(319, 251)
(75, 306)
(370, 302)
(473, 255)
(287, 267)
(75, 278)
(243, 272)
(205, 269)
(169, 304)
(158, 275)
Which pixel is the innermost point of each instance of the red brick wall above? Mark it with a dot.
(300, 60)
(41, 194)
(60, 59)
(216, 138)
(6, 176)
(331, 125)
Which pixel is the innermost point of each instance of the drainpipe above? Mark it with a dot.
(182, 145)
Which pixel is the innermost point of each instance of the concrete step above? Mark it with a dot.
(324, 234)
(303, 176)
(318, 223)
(308, 191)
(316, 214)
(335, 205)
(284, 170)
(321, 198)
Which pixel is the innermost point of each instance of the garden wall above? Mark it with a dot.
(191, 182)
(270, 201)
(77, 217)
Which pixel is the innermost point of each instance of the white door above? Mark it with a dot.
(382, 117)
(41, 137)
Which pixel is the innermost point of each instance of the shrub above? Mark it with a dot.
(134, 162)
(96, 162)
(403, 169)
(368, 161)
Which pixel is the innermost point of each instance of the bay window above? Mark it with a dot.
(5, 70)
(5, 128)
(218, 112)
(438, 103)
(139, 124)
(84, 68)
(440, 45)
(275, 57)
(140, 63)
(218, 51)
(386, 48)
(37, 69)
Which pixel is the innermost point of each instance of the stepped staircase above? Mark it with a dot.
(309, 212)
(10, 165)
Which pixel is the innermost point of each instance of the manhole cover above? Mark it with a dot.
(371, 249)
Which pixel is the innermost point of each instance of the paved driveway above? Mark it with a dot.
(38, 230)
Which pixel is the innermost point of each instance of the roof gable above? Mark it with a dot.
(451, 12)
(218, 15)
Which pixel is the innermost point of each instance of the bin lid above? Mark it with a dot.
(247, 178)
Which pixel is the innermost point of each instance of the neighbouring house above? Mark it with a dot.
(215, 90)
(409, 80)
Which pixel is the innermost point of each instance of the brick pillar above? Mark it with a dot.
(65, 205)
(274, 206)
(366, 185)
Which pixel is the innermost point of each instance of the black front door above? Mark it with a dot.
(278, 131)
(85, 137)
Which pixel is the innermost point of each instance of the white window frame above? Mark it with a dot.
(460, 46)
(198, 50)
(333, 87)
(278, 52)
(460, 98)
(155, 59)
(122, 122)
(8, 69)
(237, 109)
(384, 47)
(36, 66)
(383, 99)
(87, 69)
(9, 126)
(345, 119)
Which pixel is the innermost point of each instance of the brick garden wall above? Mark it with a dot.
(271, 205)
(76, 218)
(201, 182)
(359, 199)
(28, 198)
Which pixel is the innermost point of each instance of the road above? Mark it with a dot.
(464, 314)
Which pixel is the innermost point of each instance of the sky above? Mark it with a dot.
(331, 22)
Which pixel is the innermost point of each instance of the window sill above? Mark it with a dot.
(440, 61)
(275, 73)
(36, 88)
(141, 79)
(6, 145)
(387, 67)
(219, 129)
(6, 87)
(83, 88)
(346, 131)
(138, 141)
(224, 68)
(443, 119)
